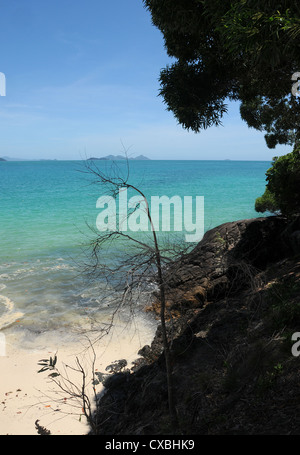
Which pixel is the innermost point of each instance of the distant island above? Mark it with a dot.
(8, 158)
(108, 157)
(119, 157)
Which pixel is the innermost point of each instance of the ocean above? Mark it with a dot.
(48, 213)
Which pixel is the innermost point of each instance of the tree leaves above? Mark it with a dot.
(236, 50)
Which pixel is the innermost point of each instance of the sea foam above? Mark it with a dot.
(9, 316)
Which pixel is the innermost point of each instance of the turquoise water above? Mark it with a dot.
(46, 207)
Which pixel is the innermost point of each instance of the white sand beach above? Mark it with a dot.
(27, 396)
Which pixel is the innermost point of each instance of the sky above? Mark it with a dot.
(82, 81)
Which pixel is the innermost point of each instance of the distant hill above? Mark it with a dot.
(8, 158)
(141, 157)
(2, 159)
(119, 157)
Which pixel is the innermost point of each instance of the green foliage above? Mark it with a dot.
(237, 50)
(264, 30)
(266, 203)
(283, 187)
(284, 181)
(196, 100)
(278, 117)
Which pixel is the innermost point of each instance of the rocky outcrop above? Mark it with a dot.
(226, 260)
(237, 295)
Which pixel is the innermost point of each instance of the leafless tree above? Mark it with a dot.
(143, 260)
(76, 382)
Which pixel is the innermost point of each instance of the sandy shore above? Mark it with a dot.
(27, 396)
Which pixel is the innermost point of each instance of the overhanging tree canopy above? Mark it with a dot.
(244, 50)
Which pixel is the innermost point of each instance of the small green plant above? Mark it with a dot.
(48, 364)
(267, 381)
(278, 368)
(220, 239)
(83, 393)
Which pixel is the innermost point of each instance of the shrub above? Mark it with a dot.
(266, 203)
(283, 188)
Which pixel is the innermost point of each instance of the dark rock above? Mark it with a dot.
(116, 366)
(114, 381)
(225, 260)
(227, 361)
(145, 351)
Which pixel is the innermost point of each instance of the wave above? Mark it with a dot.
(10, 316)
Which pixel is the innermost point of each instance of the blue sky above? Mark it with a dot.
(82, 81)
